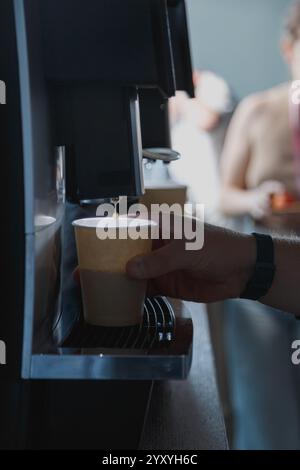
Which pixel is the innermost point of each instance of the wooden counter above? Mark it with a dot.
(187, 414)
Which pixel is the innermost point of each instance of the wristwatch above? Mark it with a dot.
(264, 269)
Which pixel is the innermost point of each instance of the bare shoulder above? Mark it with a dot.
(278, 95)
(258, 103)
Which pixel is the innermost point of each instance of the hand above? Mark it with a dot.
(259, 199)
(218, 271)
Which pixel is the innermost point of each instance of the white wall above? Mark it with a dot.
(239, 39)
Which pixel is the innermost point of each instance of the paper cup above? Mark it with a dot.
(104, 246)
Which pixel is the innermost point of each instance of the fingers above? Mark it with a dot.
(157, 263)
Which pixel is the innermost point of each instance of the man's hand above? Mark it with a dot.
(218, 271)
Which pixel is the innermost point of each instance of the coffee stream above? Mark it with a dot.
(115, 201)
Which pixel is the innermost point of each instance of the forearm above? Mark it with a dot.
(234, 201)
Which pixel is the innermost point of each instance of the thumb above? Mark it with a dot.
(155, 264)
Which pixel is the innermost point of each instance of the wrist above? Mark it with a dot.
(249, 202)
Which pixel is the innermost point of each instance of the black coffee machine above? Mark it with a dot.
(87, 86)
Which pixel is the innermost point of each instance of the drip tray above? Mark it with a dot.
(158, 326)
(160, 348)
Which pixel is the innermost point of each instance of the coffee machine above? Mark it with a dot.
(87, 84)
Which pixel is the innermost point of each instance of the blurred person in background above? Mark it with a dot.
(198, 128)
(260, 179)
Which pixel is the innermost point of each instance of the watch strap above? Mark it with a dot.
(264, 269)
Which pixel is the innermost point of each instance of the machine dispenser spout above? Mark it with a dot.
(160, 153)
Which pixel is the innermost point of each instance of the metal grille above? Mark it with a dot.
(158, 325)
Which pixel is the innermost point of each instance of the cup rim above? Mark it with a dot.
(94, 222)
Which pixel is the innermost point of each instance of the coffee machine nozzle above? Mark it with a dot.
(161, 153)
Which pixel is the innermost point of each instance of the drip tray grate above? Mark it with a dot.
(158, 349)
(158, 326)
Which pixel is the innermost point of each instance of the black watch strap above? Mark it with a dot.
(264, 270)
